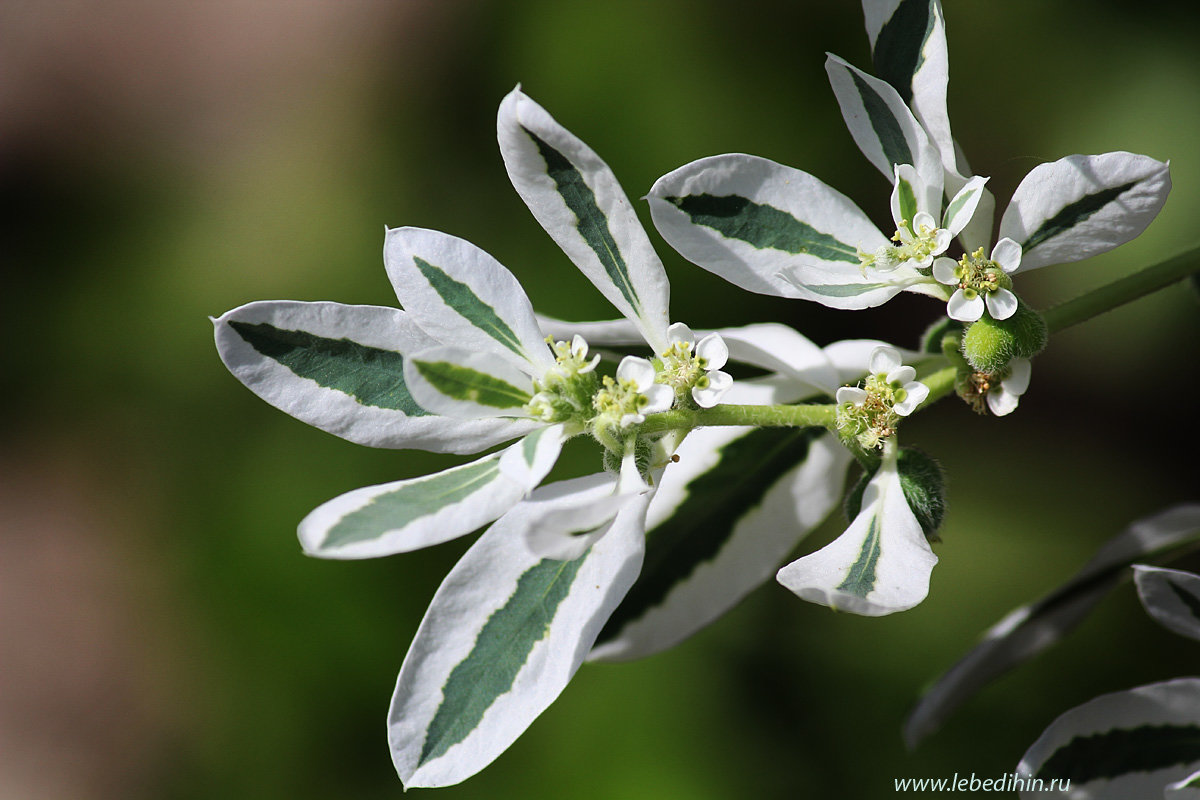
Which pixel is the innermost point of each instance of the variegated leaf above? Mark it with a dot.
(1171, 597)
(340, 368)
(1081, 206)
(735, 505)
(883, 126)
(1030, 629)
(908, 50)
(467, 383)
(462, 296)
(1121, 746)
(577, 199)
(773, 230)
(504, 634)
(879, 566)
(406, 515)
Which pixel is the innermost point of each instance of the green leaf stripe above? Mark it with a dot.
(716, 501)
(464, 383)
(459, 297)
(762, 226)
(844, 289)
(372, 376)
(860, 580)
(1074, 214)
(900, 46)
(886, 126)
(500, 651)
(591, 222)
(410, 502)
(908, 201)
(956, 205)
(1111, 754)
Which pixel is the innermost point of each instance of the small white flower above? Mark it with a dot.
(870, 413)
(981, 282)
(1004, 399)
(695, 369)
(634, 394)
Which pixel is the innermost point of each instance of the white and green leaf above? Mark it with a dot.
(1171, 597)
(735, 505)
(1081, 206)
(1186, 789)
(410, 514)
(340, 368)
(1119, 746)
(1030, 629)
(883, 126)
(962, 207)
(880, 565)
(575, 196)
(469, 384)
(504, 634)
(460, 295)
(908, 51)
(773, 230)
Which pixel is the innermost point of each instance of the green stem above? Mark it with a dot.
(1125, 290)
(798, 416)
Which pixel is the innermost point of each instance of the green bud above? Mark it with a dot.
(924, 486)
(990, 344)
(931, 340)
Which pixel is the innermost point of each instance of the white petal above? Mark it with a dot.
(923, 220)
(917, 392)
(713, 350)
(1018, 379)
(851, 357)
(679, 332)
(629, 420)
(638, 370)
(1002, 402)
(1001, 304)
(851, 394)
(1007, 254)
(660, 397)
(579, 346)
(884, 359)
(901, 375)
(718, 384)
(944, 271)
(964, 310)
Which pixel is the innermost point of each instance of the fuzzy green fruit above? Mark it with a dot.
(990, 344)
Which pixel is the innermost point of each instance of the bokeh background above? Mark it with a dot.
(161, 636)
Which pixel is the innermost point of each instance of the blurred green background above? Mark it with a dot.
(161, 636)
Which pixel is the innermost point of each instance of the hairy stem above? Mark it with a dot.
(1120, 292)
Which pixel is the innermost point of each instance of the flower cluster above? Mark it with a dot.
(694, 503)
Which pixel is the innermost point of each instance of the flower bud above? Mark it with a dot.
(990, 344)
